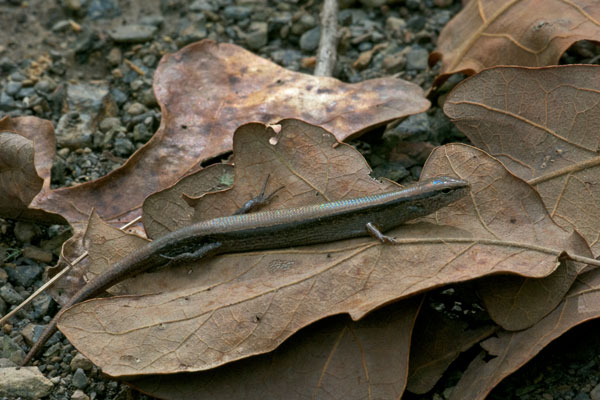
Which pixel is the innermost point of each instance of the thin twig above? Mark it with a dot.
(327, 52)
(501, 243)
(55, 278)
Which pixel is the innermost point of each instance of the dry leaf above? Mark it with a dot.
(18, 178)
(206, 90)
(26, 150)
(511, 301)
(239, 305)
(543, 125)
(511, 350)
(334, 358)
(487, 33)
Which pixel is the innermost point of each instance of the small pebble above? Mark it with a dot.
(80, 380)
(79, 395)
(132, 33)
(309, 41)
(136, 109)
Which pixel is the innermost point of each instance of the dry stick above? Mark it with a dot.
(327, 52)
(501, 243)
(55, 278)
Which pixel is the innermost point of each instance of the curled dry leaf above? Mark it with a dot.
(543, 125)
(487, 33)
(511, 350)
(437, 341)
(239, 305)
(27, 146)
(19, 181)
(334, 358)
(206, 90)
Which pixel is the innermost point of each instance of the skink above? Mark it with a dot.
(317, 223)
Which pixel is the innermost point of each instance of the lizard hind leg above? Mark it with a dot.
(204, 251)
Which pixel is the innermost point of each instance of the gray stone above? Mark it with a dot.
(394, 62)
(309, 41)
(141, 133)
(201, 5)
(416, 127)
(416, 23)
(79, 395)
(102, 8)
(136, 109)
(10, 348)
(25, 92)
(10, 295)
(41, 305)
(278, 20)
(25, 232)
(581, 396)
(73, 131)
(237, 12)
(5, 362)
(154, 20)
(45, 86)
(287, 58)
(118, 96)
(373, 3)
(73, 5)
(87, 104)
(31, 332)
(351, 16)
(7, 65)
(146, 97)
(114, 56)
(25, 382)
(109, 123)
(12, 87)
(7, 103)
(395, 24)
(136, 84)
(80, 380)
(92, 99)
(257, 37)
(80, 361)
(123, 146)
(24, 275)
(37, 254)
(441, 18)
(132, 33)
(149, 60)
(3, 307)
(413, 4)
(304, 23)
(17, 76)
(416, 59)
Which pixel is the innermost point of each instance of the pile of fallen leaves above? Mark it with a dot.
(342, 319)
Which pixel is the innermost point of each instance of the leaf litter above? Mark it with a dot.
(536, 297)
(212, 320)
